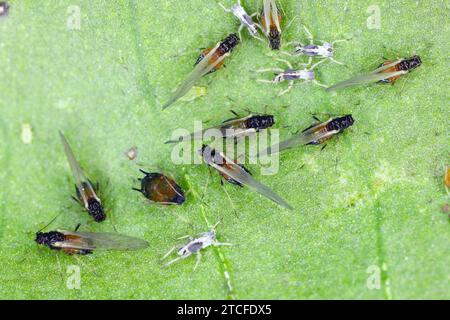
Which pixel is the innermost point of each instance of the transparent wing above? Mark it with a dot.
(73, 245)
(267, 8)
(274, 12)
(385, 67)
(243, 177)
(364, 79)
(106, 241)
(225, 130)
(314, 133)
(222, 132)
(202, 68)
(81, 180)
(296, 140)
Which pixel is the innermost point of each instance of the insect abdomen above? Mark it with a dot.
(260, 122)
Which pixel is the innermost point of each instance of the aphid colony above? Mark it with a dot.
(159, 188)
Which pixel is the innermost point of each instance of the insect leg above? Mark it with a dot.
(285, 62)
(316, 64)
(309, 34)
(291, 84)
(229, 199)
(76, 200)
(319, 84)
(270, 70)
(287, 53)
(188, 236)
(199, 258)
(222, 244)
(225, 9)
(290, 23)
(337, 41)
(240, 32)
(168, 253)
(335, 61)
(172, 261)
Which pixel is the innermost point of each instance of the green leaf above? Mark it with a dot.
(368, 203)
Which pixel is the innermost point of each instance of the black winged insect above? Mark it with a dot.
(238, 175)
(86, 194)
(313, 135)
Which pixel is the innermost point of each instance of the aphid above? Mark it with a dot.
(237, 174)
(291, 75)
(209, 61)
(195, 93)
(271, 23)
(83, 243)
(194, 246)
(245, 19)
(4, 8)
(326, 50)
(86, 194)
(235, 127)
(388, 72)
(313, 135)
(158, 188)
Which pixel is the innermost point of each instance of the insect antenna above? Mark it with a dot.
(50, 222)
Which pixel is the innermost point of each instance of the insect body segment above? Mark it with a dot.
(245, 19)
(237, 174)
(194, 246)
(291, 75)
(271, 23)
(86, 194)
(388, 72)
(83, 243)
(160, 189)
(313, 135)
(209, 61)
(233, 128)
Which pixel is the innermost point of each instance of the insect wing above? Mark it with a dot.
(296, 140)
(267, 10)
(108, 241)
(364, 79)
(240, 175)
(226, 130)
(275, 13)
(202, 68)
(387, 66)
(81, 180)
(312, 134)
(73, 245)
